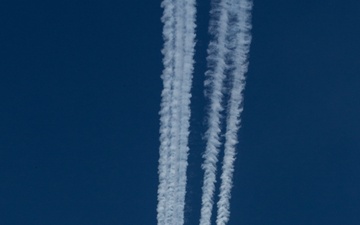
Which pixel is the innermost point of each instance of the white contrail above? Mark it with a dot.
(239, 40)
(230, 27)
(176, 148)
(176, 105)
(165, 112)
(214, 84)
(178, 51)
(166, 192)
(188, 41)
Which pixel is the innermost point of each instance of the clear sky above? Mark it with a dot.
(80, 94)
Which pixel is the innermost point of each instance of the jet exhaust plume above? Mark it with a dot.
(179, 42)
(228, 50)
(230, 28)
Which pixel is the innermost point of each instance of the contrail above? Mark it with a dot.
(230, 28)
(227, 60)
(240, 39)
(188, 16)
(165, 112)
(179, 41)
(214, 84)
(176, 106)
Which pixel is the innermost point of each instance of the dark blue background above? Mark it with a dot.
(80, 94)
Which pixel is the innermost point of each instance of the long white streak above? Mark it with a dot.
(239, 38)
(178, 51)
(214, 84)
(165, 111)
(169, 128)
(188, 47)
(176, 148)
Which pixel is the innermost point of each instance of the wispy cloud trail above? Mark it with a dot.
(179, 41)
(227, 60)
(230, 28)
(239, 40)
(188, 45)
(214, 83)
(165, 111)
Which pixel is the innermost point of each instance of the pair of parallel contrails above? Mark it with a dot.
(227, 61)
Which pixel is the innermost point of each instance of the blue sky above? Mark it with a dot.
(80, 95)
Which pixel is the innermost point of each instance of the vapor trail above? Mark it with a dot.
(214, 83)
(227, 59)
(239, 40)
(179, 40)
(176, 106)
(165, 111)
(188, 45)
